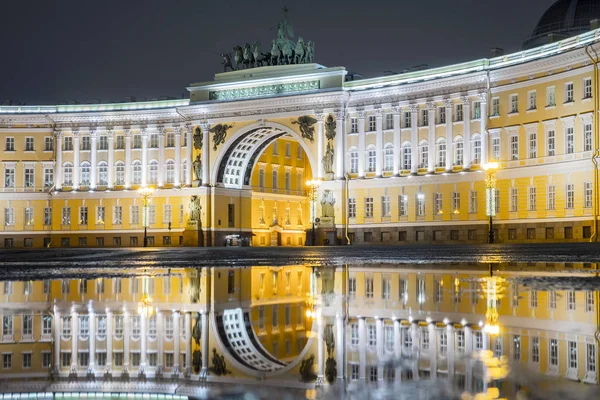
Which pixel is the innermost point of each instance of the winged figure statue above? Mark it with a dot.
(219, 134)
(306, 124)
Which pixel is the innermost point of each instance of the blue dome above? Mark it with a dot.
(563, 19)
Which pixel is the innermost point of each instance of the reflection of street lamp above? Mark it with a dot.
(145, 306)
(146, 193)
(490, 196)
(311, 193)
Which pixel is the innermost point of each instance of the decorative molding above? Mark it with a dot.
(263, 91)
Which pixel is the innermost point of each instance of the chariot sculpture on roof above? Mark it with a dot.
(284, 51)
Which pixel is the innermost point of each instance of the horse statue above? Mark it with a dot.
(275, 53)
(248, 56)
(299, 51)
(310, 52)
(287, 51)
(238, 56)
(259, 58)
(226, 62)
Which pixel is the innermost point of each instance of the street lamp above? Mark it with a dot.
(490, 196)
(146, 193)
(311, 193)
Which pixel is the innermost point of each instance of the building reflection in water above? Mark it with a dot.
(474, 328)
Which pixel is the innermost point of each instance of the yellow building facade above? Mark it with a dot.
(399, 159)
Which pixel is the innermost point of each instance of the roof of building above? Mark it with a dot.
(563, 19)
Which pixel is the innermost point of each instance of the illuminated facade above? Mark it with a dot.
(400, 158)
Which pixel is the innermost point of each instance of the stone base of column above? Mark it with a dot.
(466, 170)
(320, 381)
(449, 171)
(414, 174)
(203, 374)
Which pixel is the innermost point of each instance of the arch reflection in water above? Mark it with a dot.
(475, 328)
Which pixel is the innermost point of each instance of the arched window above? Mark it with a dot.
(153, 169)
(102, 173)
(371, 159)
(353, 161)
(458, 150)
(389, 157)
(85, 173)
(68, 174)
(120, 173)
(476, 149)
(423, 154)
(406, 155)
(170, 171)
(441, 152)
(137, 172)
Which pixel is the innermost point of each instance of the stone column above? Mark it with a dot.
(126, 339)
(188, 154)
(467, 133)
(397, 141)
(380, 353)
(414, 139)
(432, 349)
(127, 133)
(176, 342)
(144, 133)
(160, 337)
(76, 161)
(320, 350)
(450, 349)
(177, 132)
(361, 144)
(143, 341)
(93, 161)
(204, 318)
(74, 337)
(57, 330)
(58, 167)
(188, 342)
(340, 151)
(111, 158)
(109, 340)
(485, 139)
(205, 153)
(431, 138)
(379, 143)
(397, 342)
(92, 339)
(449, 136)
(320, 140)
(362, 348)
(414, 335)
(340, 347)
(161, 156)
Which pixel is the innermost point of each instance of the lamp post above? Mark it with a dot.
(490, 196)
(146, 193)
(311, 193)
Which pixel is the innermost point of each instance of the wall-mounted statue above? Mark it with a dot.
(327, 203)
(306, 125)
(195, 208)
(219, 134)
(198, 138)
(197, 164)
(328, 158)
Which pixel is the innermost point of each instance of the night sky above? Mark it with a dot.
(64, 50)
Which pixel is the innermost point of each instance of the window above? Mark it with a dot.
(587, 194)
(532, 199)
(498, 347)
(48, 143)
(353, 125)
(551, 137)
(46, 359)
(10, 144)
(352, 287)
(425, 338)
(589, 301)
(570, 193)
(476, 149)
(9, 177)
(28, 220)
(167, 213)
(354, 372)
(571, 301)
(478, 335)
(372, 373)
(85, 173)
(570, 140)
(170, 139)
(46, 326)
(368, 207)
(389, 121)
(590, 362)
(27, 328)
(443, 335)
(9, 216)
(587, 137)
(437, 204)
(372, 123)
(496, 148)
(351, 208)
(424, 117)
(441, 115)
(103, 174)
(274, 179)
(551, 197)
(118, 326)
(553, 349)
(473, 201)
(533, 298)
(441, 152)
(516, 347)
(385, 206)
(371, 161)
(476, 110)
(552, 300)
(514, 147)
(438, 286)
(28, 144)
(514, 197)
(550, 96)
(275, 317)
(569, 92)
(402, 205)
(153, 172)
(403, 285)
(275, 148)
(572, 355)
(420, 204)
(101, 326)
(460, 341)
(495, 107)
(386, 288)
(388, 157)
(6, 361)
(100, 214)
(66, 327)
(369, 288)
(353, 334)
(458, 150)
(388, 338)
(535, 350)
(372, 335)
(103, 143)
(423, 154)
(85, 143)
(29, 177)
(406, 156)
(459, 112)
(514, 103)
(137, 172)
(533, 145)
(48, 177)
(532, 100)
(135, 215)
(407, 120)
(353, 161)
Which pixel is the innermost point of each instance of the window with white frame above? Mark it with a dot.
(533, 298)
(532, 200)
(388, 338)
(498, 347)
(420, 204)
(170, 171)
(515, 295)
(136, 327)
(572, 355)
(407, 338)
(389, 121)
(27, 328)
(438, 290)
(552, 299)
(459, 112)
(66, 327)
(388, 163)
(570, 196)
(48, 177)
(354, 372)
(569, 92)
(443, 339)
(403, 290)
(368, 207)
(458, 150)
(385, 206)
(46, 326)
(532, 100)
(421, 291)
(570, 140)
(516, 347)
(423, 154)
(386, 288)
(495, 107)
(371, 159)
(437, 203)
(135, 215)
(9, 177)
(369, 287)
(425, 338)
(10, 144)
(553, 350)
(514, 147)
(407, 119)
(550, 197)
(66, 216)
(424, 117)
(587, 194)
(476, 149)
(551, 142)
(84, 326)
(590, 360)
(441, 115)
(167, 213)
(535, 349)
(353, 161)
(101, 326)
(402, 205)
(571, 301)
(478, 340)
(353, 125)
(29, 177)
(441, 152)
(406, 156)
(587, 137)
(100, 214)
(550, 96)
(117, 215)
(477, 110)
(371, 335)
(589, 301)
(514, 103)
(473, 201)
(587, 88)
(533, 145)
(456, 202)
(352, 288)
(351, 208)
(372, 123)
(496, 148)
(120, 173)
(83, 215)
(28, 144)
(137, 172)
(28, 221)
(354, 334)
